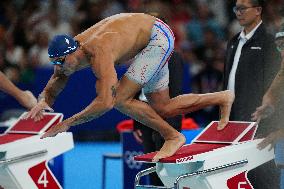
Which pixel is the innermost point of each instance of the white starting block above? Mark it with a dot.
(214, 160)
(24, 156)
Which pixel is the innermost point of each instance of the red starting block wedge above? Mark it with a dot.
(208, 140)
(24, 156)
(233, 133)
(28, 126)
(24, 128)
(214, 159)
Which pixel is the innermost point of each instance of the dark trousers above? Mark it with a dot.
(266, 176)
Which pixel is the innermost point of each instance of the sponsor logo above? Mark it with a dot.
(129, 159)
(184, 159)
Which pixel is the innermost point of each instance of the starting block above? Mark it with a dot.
(214, 160)
(24, 156)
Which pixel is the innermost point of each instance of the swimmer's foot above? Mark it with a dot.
(170, 147)
(225, 108)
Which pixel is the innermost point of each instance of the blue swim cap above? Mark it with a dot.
(61, 45)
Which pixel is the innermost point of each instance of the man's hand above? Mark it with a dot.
(36, 112)
(59, 128)
(262, 112)
(265, 110)
(271, 139)
(138, 136)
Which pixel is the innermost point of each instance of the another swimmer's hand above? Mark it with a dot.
(262, 112)
(265, 110)
(271, 139)
(59, 128)
(36, 112)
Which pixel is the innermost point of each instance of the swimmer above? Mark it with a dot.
(148, 43)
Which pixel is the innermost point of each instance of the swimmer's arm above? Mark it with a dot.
(54, 86)
(8, 87)
(106, 84)
(275, 90)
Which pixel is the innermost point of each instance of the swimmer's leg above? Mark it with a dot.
(143, 113)
(182, 104)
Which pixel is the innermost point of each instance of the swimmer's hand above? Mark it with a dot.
(59, 128)
(262, 112)
(271, 139)
(36, 112)
(265, 110)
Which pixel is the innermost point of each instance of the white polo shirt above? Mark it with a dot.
(242, 40)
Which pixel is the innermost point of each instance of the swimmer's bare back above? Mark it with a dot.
(121, 36)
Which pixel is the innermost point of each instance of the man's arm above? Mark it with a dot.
(25, 98)
(8, 87)
(275, 91)
(271, 97)
(54, 86)
(46, 99)
(106, 84)
(271, 139)
(103, 67)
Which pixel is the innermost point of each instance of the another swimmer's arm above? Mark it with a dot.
(8, 87)
(275, 91)
(106, 84)
(54, 86)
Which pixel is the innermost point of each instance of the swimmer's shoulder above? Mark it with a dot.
(96, 43)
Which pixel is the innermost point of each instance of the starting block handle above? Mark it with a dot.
(144, 173)
(141, 174)
(23, 157)
(179, 178)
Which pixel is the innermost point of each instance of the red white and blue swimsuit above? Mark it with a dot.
(150, 66)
